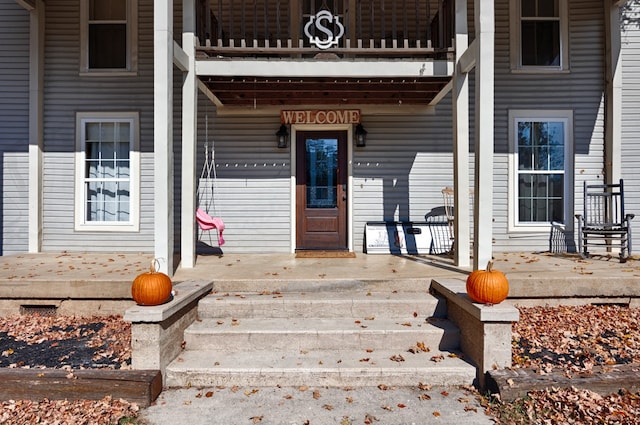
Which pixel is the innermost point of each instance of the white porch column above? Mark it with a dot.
(163, 132)
(484, 121)
(36, 75)
(613, 95)
(461, 140)
(189, 136)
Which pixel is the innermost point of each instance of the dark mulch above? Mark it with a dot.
(65, 342)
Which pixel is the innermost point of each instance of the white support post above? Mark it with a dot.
(36, 133)
(461, 140)
(613, 95)
(484, 135)
(189, 138)
(163, 133)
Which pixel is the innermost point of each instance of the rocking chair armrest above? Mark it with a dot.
(628, 217)
(578, 217)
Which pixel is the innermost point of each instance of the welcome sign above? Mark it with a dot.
(321, 116)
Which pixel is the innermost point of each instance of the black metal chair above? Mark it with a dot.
(603, 221)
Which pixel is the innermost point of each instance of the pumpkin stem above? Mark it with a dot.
(490, 265)
(153, 268)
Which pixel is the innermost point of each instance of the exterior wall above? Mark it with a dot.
(631, 114)
(399, 175)
(252, 190)
(580, 90)
(67, 92)
(14, 127)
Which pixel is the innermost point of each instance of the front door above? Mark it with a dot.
(321, 191)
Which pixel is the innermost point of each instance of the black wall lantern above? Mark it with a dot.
(360, 136)
(283, 137)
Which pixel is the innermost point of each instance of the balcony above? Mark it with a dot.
(288, 52)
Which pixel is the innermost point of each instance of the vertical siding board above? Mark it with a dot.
(14, 128)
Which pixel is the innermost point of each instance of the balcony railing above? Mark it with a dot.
(371, 28)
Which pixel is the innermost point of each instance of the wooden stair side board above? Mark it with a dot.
(136, 386)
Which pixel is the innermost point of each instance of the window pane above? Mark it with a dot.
(528, 8)
(108, 164)
(541, 148)
(108, 10)
(322, 173)
(108, 46)
(540, 43)
(547, 8)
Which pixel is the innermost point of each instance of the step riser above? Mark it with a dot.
(321, 284)
(328, 378)
(221, 308)
(310, 340)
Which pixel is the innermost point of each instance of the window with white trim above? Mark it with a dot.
(539, 35)
(107, 170)
(540, 168)
(109, 36)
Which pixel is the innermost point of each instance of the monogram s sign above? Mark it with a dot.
(324, 30)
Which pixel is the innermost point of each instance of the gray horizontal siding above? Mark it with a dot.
(631, 121)
(399, 175)
(251, 191)
(14, 127)
(67, 93)
(580, 90)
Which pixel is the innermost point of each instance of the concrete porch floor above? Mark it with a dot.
(109, 275)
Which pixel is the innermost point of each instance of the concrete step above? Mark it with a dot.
(357, 304)
(332, 368)
(346, 333)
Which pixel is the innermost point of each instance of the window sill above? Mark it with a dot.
(104, 73)
(110, 228)
(539, 71)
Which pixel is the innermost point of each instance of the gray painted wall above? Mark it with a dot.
(14, 127)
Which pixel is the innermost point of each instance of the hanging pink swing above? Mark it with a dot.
(206, 193)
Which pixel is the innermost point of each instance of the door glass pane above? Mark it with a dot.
(321, 160)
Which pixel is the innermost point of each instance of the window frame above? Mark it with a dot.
(81, 223)
(132, 43)
(516, 41)
(515, 116)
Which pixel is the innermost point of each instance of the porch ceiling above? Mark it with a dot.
(273, 91)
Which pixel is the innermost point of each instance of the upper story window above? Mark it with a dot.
(109, 36)
(107, 170)
(539, 36)
(540, 170)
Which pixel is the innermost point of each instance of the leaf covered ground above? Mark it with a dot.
(570, 339)
(66, 342)
(573, 339)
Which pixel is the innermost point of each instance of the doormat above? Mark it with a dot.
(325, 254)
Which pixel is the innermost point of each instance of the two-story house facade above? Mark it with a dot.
(317, 118)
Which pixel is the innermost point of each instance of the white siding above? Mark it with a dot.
(14, 127)
(631, 118)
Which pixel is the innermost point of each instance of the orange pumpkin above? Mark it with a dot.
(487, 286)
(152, 287)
